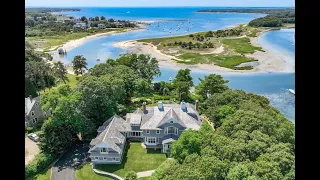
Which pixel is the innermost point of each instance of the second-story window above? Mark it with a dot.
(104, 150)
(32, 113)
(171, 130)
(158, 131)
(148, 132)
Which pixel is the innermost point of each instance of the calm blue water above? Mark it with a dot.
(272, 85)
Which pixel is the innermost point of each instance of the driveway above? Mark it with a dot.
(31, 150)
(65, 168)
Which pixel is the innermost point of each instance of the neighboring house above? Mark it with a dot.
(33, 111)
(156, 126)
(77, 20)
(101, 26)
(80, 25)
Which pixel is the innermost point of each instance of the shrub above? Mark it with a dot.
(131, 175)
(29, 129)
(40, 163)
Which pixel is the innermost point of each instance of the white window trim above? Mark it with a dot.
(36, 104)
(175, 129)
(147, 131)
(158, 132)
(151, 138)
(34, 120)
(171, 122)
(96, 158)
(32, 113)
(107, 151)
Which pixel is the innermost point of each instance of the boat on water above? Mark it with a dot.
(170, 78)
(292, 91)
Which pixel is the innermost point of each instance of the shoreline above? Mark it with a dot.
(269, 62)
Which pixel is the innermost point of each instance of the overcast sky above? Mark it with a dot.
(145, 3)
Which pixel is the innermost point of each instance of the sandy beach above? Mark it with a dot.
(267, 61)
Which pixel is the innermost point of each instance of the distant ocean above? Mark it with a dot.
(272, 85)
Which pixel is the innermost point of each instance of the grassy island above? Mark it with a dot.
(226, 48)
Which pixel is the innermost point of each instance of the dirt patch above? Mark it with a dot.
(31, 150)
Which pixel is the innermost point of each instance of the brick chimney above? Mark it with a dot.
(144, 105)
(196, 105)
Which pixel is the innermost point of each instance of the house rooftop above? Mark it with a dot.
(113, 134)
(29, 103)
(155, 116)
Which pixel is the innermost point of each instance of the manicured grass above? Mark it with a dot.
(137, 159)
(220, 60)
(45, 175)
(241, 45)
(86, 173)
(72, 80)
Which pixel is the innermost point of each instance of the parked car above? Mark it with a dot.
(33, 137)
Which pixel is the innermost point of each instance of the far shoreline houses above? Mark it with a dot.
(155, 126)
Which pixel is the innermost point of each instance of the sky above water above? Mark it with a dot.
(162, 3)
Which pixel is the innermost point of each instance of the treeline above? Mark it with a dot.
(49, 10)
(274, 20)
(190, 45)
(39, 74)
(109, 23)
(251, 10)
(252, 140)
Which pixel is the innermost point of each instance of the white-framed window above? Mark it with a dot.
(34, 120)
(104, 158)
(104, 151)
(32, 113)
(171, 122)
(158, 132)
(171, 130)
(36, 104)
(113, 159)
(148, 131)
(100, 158)
(177, 131)
(96, 158)
(151, 140)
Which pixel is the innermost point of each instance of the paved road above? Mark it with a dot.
(64, 169)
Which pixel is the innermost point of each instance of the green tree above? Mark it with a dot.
(142, 85)
(29, 89)
(188, 143)
(183, 83)
(145, 66)
(211, 84)
(83, 18)
(239, 172)
(100, 96)
(102, 18)
(79, 63)
(96, 18)
(60, 71)
(131, 175)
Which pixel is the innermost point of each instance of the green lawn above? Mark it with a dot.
(86, 173)
(136, 158)
(72, 80)
(241, 45)
(220, 60)
(42, 176)
(143, 178)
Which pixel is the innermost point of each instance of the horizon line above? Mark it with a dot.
(158, 6)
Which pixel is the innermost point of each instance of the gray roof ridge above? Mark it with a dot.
(108, 129)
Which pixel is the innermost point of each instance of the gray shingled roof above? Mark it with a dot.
(154, 117)
(29, 104)
(171, 114)
(113, 134)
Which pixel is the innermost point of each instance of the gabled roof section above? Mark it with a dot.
(29, 103)
(171, 114)
(113, 135)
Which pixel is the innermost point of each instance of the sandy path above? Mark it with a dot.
(216, 51)
(31, 150)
